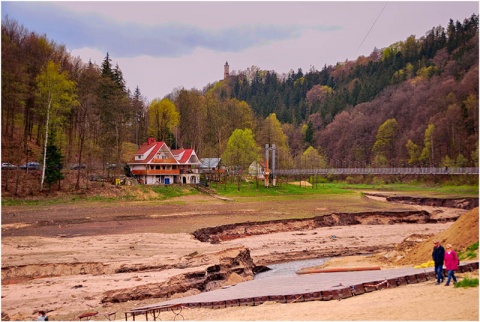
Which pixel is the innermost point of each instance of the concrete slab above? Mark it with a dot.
(321, 286)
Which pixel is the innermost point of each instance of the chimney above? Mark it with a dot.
(151, 141)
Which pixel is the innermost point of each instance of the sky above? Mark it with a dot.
(162, 46)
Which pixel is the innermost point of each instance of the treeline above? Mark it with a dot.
(51, 98)
(297, 95)
(408, 87)
(415, 102)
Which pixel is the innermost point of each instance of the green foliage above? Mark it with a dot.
(271, 132)
(311, 158)
(467, 282)
(56, 94)
(473, 247)
(461, 161)
(469, 253)
(163, 117)
(475, 154)
(380, 160)
(241, 149)
(54, 165)
(413, 152)
(309, 133)
(427, 72)
(447, 162)
(426, 154)
(385, 138)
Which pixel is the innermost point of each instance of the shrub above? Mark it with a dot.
(473, 247)
(467, 282)
(469, 253)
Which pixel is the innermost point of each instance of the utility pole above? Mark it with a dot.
(267, 171)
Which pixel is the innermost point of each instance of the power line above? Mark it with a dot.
(371, 28)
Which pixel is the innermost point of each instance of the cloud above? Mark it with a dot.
(130, 39)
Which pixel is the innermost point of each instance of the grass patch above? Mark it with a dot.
(252, 190)
(473, 247)
(467, 282)
(469, 253)
(257, 189)
(112, 194)
(170, 191)
(32, 202)
(421, 189)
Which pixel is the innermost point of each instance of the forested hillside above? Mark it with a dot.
(409, 87)
(413, 103)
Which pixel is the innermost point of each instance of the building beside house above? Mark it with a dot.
(155, 163)
(212, 169)
(256, 169)
(209, 165)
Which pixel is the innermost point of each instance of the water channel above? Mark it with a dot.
(289, 268)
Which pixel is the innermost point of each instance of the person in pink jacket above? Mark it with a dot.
(451, 264)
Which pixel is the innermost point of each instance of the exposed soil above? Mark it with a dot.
(242, 230)
(110, 258)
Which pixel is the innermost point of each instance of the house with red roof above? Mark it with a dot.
(155, 163)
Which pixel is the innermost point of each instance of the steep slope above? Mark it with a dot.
(461, 234)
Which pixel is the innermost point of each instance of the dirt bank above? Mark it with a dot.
(242, 230)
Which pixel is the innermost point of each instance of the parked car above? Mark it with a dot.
(8, 166)
(77, 166)
(30, 166)
(110, 166)
(98, 178)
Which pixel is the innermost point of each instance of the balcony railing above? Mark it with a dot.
(172, 161)
(155, 172)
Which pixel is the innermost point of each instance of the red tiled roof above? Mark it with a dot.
(186, 154)
(182, 156)
(155, 146)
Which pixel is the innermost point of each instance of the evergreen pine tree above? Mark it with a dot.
(54, 163)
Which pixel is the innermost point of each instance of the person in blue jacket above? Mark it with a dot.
(438, 256)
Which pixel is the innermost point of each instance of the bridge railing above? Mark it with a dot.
(395, 170)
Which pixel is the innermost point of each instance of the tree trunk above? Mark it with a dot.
(45, 143)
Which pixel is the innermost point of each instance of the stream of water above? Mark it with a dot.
(289, 268)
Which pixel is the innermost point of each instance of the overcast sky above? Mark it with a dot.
(161, 46)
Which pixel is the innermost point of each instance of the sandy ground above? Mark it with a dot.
(74, 293)
(417, 302)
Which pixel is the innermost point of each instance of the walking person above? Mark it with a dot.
(438, 256)
(451, 264)
(42, 316)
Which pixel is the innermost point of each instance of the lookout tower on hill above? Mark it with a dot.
(226, 71)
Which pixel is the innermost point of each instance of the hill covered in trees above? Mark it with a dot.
(415, 102)
(412, 103)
